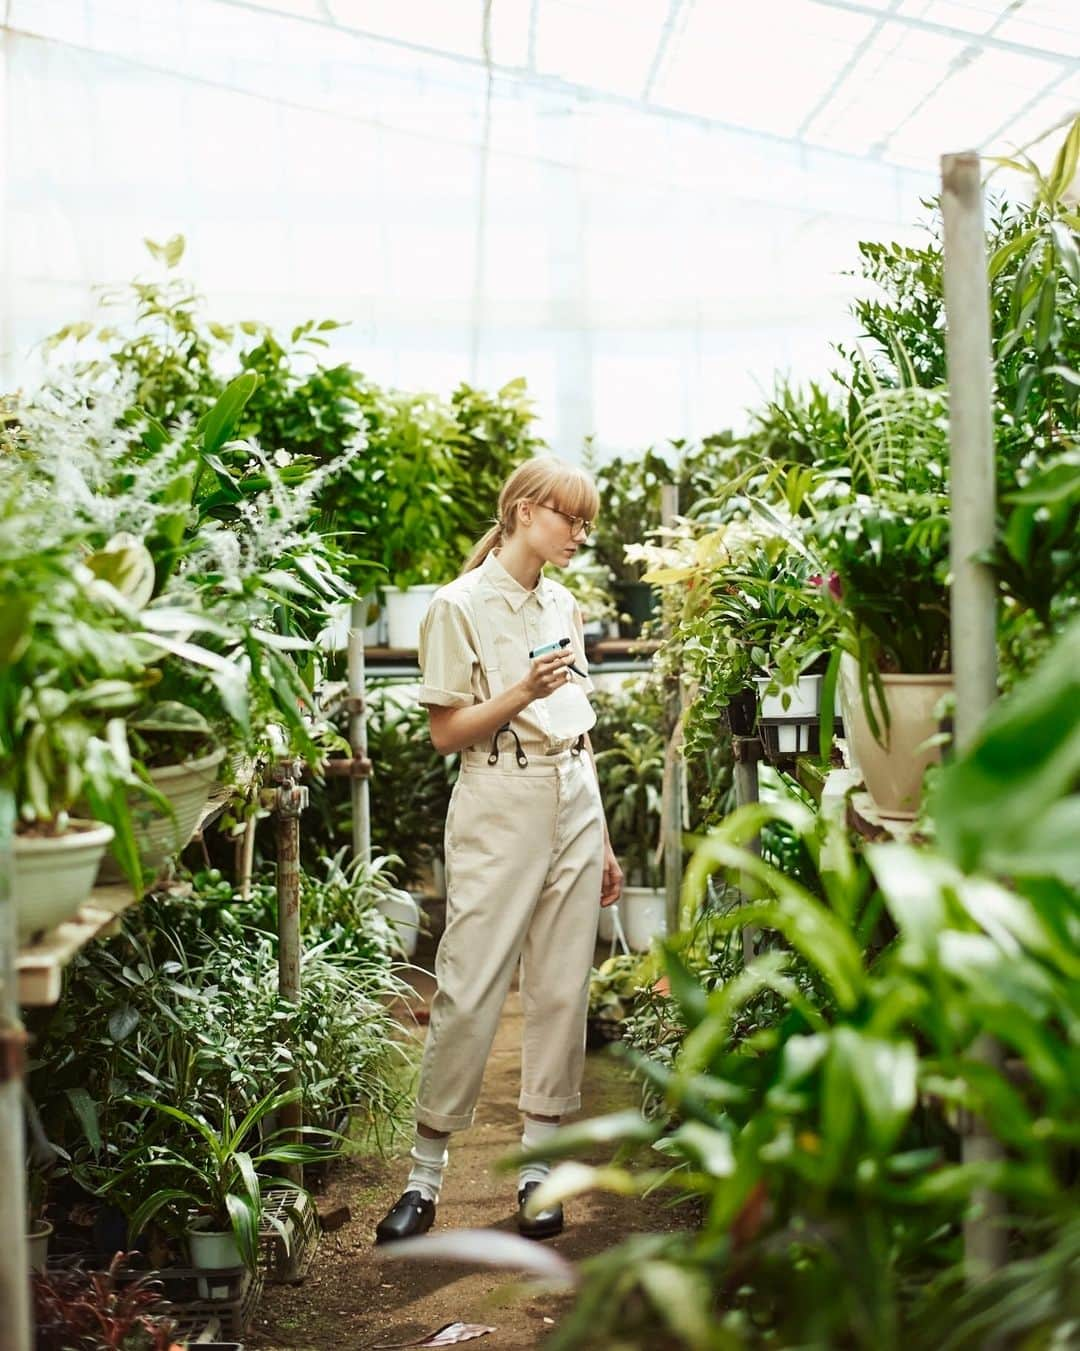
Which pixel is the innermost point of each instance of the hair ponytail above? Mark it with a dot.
(490, 541)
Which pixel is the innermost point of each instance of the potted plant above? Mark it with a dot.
(106, 1309)
(885, 598)
(630, 509)
(67, 671)
(216, 1176)
(415, 537)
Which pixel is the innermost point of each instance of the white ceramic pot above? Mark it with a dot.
(37, 1244)
(404, 611)
(404, 914)
(213, 1251)
(54, 875)
(644, 916)
(187, 786)
(893, 773)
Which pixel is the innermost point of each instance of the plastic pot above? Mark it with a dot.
(404, 611)
(403, 912)
(644, 916)
(37, 1244)
(54, 875)
(187, 786)
(213, 1250)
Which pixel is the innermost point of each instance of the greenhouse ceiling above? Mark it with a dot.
(649, 208)
(873, 78)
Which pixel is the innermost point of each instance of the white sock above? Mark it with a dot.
(535, 1135)
(429, 1162)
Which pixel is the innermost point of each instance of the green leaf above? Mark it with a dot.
(150, 1207)
(122, 1022)
(683, 1298)
(1065, 373)
(1045, 318)
(885, 1078)
(1065, 162)
(217, 425)
(244, 1218)
(989, 804)
(168, 253)
(170, 716)
(618, 1128)
(1028, 374)
(685, 989)
(709, 1148)
(85, 1108)
(1065, 246)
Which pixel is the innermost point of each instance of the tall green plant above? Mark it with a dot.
(823, 1146)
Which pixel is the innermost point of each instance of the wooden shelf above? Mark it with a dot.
(865, 819)
(604, 654)
(39, 966)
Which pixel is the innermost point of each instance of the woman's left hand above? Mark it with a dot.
(612, 883)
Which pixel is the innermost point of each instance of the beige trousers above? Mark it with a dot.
(524, 859)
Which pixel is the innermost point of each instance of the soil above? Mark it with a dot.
(354, 1298)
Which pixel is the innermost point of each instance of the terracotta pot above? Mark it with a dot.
(54, 875)
(893, 772)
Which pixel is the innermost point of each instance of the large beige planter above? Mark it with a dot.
(893, 773)
(187, 786)
(55, 874)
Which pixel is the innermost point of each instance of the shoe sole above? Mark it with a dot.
(381, 1240)
(548, 1231)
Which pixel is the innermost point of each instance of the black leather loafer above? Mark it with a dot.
(544, 1224)
(413, 1214)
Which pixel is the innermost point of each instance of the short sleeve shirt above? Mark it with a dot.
(454, 666)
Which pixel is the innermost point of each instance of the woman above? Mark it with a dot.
(527, 850)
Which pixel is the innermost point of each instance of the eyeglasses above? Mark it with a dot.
(576, 523)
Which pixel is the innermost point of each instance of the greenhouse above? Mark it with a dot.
(539, 675)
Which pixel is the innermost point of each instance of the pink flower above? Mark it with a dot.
(833, 584)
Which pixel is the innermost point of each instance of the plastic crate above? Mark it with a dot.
(223, 1301)
(285, 1258)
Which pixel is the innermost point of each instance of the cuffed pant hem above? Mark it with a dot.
(439, 1122)
(529, 1102)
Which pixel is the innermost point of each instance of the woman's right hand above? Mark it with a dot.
(546, 674)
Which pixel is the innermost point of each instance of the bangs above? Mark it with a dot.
(575, 493)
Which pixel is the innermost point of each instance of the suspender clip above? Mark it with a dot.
(519, 754)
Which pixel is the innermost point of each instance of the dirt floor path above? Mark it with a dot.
(354, 1299)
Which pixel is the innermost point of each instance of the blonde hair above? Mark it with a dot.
(540, 479)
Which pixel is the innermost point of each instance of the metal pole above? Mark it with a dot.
(672, 796)
(746, 752)
(14, 1258)
(974, 605)
(289, 800)
(360, 788)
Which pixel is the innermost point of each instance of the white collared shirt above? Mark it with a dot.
(453, 673)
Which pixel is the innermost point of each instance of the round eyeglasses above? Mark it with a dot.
(577, 524)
